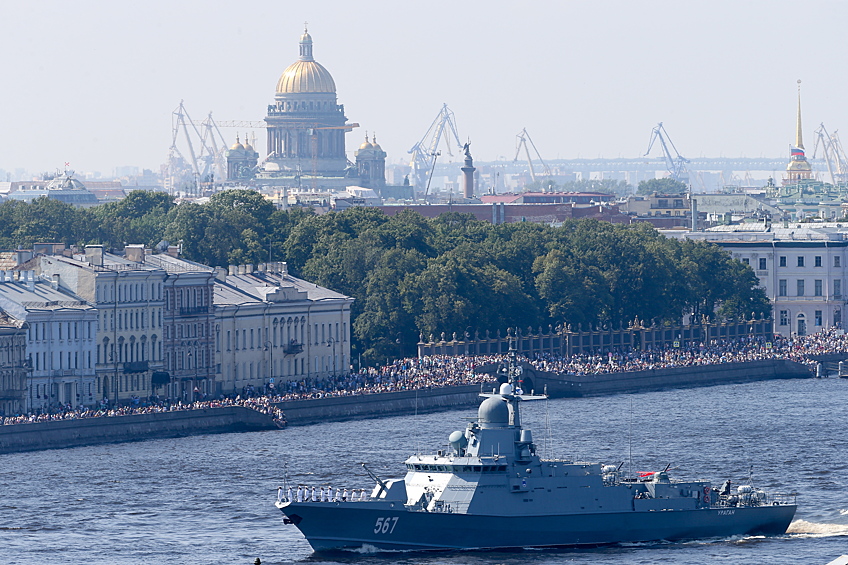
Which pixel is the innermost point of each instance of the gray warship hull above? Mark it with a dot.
(352, 525)
(491, 490)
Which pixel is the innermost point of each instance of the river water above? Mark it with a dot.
(209, 499)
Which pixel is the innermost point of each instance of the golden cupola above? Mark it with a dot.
(366, 144)
(306, 75)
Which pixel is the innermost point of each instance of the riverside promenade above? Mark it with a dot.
(412, 385)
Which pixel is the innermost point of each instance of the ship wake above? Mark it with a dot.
(803, 528)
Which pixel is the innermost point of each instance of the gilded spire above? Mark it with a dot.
(799, 140)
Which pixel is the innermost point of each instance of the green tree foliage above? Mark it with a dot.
(661, 186)
(414, 276)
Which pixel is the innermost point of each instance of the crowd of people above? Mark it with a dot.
(262, 404)
(440, 371)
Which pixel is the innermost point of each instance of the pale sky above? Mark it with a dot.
(94, 83)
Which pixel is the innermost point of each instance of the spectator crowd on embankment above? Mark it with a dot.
(444, 371)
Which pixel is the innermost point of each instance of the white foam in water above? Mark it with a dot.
(366, 549)
(844, 512)
(814, 529)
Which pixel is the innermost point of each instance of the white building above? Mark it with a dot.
(60, 340)
(128, 297)
(801, 267)
(273, 327)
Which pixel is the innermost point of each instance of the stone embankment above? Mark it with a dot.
(659, 379)
(90, 431)
(405, 402)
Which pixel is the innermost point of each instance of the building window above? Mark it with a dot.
(818, 317)
(818, 261)
(746, 260)
(837, 317)
(762, 263)
(818, 287)
(783, 261)
(837, 288)
(800, 260)
(837, 261)
(781, 287)
(800, 287)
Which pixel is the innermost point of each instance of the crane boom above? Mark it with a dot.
(834, 155)
(676, 164)
(426, 151)
(521, 141)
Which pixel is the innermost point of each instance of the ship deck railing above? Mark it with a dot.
(357, 495)
(757, 498)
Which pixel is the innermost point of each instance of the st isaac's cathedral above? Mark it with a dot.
(306, 136)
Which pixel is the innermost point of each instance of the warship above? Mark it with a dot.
(491, 490)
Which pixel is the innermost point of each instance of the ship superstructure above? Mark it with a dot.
(492, 490)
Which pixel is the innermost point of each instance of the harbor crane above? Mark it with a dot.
(676, 164)
(426, 151)
(521, 141)
(206, 161)
(834, 155)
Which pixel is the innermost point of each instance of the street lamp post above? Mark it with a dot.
(332, 343)
(269, 347)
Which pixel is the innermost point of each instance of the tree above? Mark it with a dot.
(661, 186)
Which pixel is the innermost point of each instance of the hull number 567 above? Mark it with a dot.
(385, 525)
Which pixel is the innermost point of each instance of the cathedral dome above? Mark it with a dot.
(306, 75)
(366, 144)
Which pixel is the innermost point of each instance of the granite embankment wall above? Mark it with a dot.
(339, 408)
(659, 379)
(91, 431)
(72, 433)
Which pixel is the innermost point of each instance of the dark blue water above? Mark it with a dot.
(209, 499)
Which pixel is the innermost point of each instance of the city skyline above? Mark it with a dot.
(94, 84)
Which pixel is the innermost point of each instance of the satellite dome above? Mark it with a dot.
(493, 410)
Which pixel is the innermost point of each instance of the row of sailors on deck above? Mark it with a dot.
(303, 494)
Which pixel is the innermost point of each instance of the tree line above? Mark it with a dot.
(415, 276)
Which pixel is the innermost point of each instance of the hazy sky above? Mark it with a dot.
(94, 83)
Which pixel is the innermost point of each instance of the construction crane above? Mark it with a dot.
(834, 155)
(521, 141)
(426, 151)
(675, 164)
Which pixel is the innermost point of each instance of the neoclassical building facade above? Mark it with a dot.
(128, 297)
(272, 327)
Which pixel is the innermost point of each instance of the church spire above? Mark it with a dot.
(799, 140)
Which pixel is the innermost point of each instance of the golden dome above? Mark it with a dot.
(247, 145)
(305, 77)
(366, 144)
(374, 143)
(237, 145)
